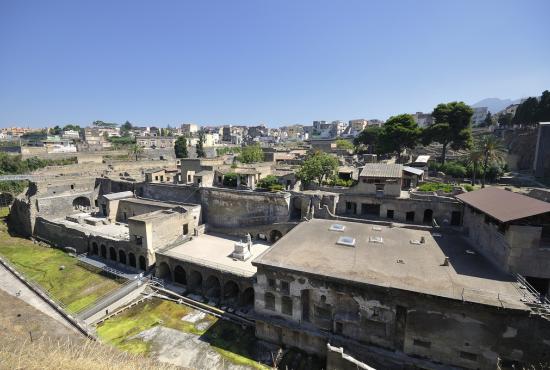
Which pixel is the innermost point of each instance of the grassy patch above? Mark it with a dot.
(230, 340)
(75, 286)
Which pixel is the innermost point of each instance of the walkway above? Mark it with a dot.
(11, 285)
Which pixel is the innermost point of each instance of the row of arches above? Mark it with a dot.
(120, 256)
(211, 287)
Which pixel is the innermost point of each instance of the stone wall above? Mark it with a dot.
(441, 211)
(370, 319)
(61, 236)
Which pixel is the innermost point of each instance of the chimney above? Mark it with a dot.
(446, 261)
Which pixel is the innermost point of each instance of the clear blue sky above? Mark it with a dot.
(276, 62)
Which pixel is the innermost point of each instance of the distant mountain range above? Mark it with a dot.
(495, 104)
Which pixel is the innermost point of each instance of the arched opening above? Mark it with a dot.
(122, 257)
(95, 249)
(163, 271)
(103, 251)
(428, 216)
(81, 203)
(142, 264)
(275, 235)
(231, 292)
(180, 276)
(132, 259)
(247, 298)
(195, 282)
(112, 254)
(212, 287)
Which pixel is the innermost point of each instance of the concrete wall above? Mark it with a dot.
(370, 319)
(225, 207)
(516, 248)
(441, 210)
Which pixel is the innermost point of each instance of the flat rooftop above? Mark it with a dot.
(111, 231)
(399, 261)
(214, 251)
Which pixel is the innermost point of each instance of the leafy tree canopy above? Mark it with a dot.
(251, 154)
(180, 147)
(344, 144)
(451, 127)
(318, 167)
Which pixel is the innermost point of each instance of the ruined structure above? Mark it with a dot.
(513, 230)
(393, 297)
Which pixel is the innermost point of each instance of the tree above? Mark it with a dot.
(505, 119)
(71, 127)
(474, 157)
(369, 137)
(488, 122)
(451, 127)
(344, 144)
(491, 150)
(543, 111)
(251, 154)
(136, 150)
(56, 130)
(318, 167)
(200, 146)
(527, 112)
(180, 147)
(126, 128)
(399, 133)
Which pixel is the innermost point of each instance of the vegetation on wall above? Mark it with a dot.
(14, 187)
(230, 179)
(14, 164)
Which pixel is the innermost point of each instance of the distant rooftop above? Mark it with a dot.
(382, 170)
(393, 257)
(504, 205)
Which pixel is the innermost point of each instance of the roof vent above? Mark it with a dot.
(348, 241)
(337, 227)
(376, 239)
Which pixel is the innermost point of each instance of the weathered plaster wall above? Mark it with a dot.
(361, 317)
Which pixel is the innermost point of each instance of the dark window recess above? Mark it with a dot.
(390, 213)
(305, 305)
(139, 240)
(339, 328)
(422, 343)
(409, 216)
(285, 287)
(286, 305)
(468, 356)
(322, 313)
(124, 216)
(269, 301)
(185, 229)
(271, 283)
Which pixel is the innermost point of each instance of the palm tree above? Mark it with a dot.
(492, 150)
(474, 157)
(136, 150)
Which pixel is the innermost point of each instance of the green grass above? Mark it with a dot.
(229, 339)
(75, 286)
(447, 188)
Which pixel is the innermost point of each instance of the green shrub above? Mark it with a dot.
(435, 186)
(468, 187)
(268, 182)
(230, 179)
